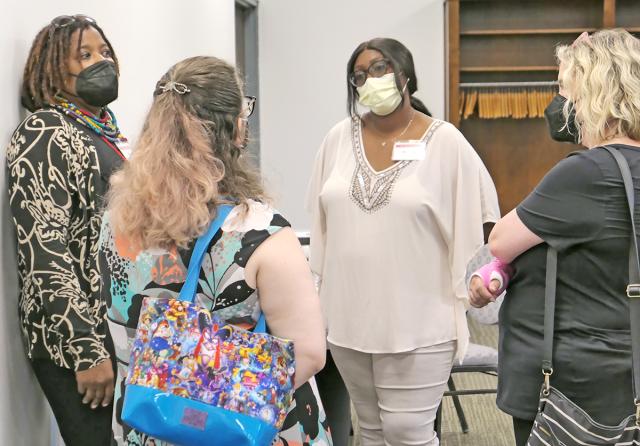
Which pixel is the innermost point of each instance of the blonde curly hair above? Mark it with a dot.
(601, 74)
(186, 161)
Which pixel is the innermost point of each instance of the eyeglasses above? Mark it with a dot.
(248, 103)
(376, 69)
(62, 21)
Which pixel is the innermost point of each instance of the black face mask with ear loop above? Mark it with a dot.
(97, 85)
(560, 129)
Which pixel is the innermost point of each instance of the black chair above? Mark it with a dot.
(479, 359)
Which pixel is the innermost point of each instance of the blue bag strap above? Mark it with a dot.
(261, 326)
(188, 291)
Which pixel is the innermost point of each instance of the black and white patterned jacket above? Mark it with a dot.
(57, 176)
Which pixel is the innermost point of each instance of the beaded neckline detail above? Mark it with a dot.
(371, 190)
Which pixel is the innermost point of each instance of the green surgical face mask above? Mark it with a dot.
(380, 94)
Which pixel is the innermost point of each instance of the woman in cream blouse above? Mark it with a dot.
(398, 201)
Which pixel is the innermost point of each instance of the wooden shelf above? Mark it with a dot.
(523, 32)
(508, 69)
(505, 42)
(526, 32)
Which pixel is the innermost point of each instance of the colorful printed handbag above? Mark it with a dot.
(194, 380)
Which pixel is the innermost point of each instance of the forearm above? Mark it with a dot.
(308, 361)
(510, 238)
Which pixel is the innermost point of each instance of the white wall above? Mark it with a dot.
(148, 36)
(304, 49)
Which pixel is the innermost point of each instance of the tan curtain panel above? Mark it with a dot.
(496, 103)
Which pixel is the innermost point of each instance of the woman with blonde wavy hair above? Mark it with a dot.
(189, 159)
(580, 209)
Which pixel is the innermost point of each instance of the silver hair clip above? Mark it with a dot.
(174, 86)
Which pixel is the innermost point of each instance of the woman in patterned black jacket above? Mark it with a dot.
(58, 165)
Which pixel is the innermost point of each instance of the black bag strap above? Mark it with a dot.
(633, 289)
(549, 312)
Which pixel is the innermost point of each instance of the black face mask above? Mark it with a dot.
(97, 85)
(559, 129)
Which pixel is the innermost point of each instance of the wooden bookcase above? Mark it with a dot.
(514, 41)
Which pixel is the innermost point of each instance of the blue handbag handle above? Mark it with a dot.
(188, 291)
(261, 326)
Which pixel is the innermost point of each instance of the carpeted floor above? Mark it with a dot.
(488, 426)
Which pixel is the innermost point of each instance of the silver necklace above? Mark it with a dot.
(384, 143)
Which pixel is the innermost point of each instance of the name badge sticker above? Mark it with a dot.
(412, 150)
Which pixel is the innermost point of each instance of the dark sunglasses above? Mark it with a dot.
(62, 21)
(248, 104)
(377, 68)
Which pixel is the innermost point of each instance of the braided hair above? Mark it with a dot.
(46, 67)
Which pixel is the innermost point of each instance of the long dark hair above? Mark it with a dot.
(401, 60)
(46, 66)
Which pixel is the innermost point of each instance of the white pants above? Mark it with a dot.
(396, 395)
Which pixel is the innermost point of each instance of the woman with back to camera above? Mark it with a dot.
(190, 158)
(398, 200)
(58, 165)
(580, 209)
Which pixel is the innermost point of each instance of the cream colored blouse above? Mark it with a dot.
(392, 246)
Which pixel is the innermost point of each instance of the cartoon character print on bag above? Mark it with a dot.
(207, 351)
(224, 366)
(222, 289)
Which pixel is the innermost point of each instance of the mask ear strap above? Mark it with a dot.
(405, 85)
